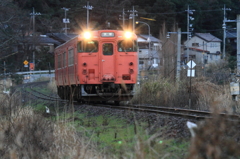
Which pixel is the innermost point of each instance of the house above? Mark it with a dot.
(203, 48)
(39, 41)
(148, 52)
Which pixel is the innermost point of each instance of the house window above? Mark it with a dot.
(141, 62)
(193, 57)
(195, 44)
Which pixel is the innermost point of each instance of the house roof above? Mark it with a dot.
(208, 37)
(46, 39)
(61, 37)
(39, 39)
(145, 37)
(139, 39)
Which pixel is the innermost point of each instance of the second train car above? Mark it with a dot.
(97, 66)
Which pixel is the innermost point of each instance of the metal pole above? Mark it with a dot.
(34, 39)
(88, 7)
(123, 18)
(133, 14)
(190, 91)
(224, 31)
(149, 41)
(188, 34)
(238, 44)
(4, 82)
(33, 14)
(65, 22)
(178, 54)
(87, 13)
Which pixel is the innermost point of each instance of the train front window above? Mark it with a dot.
(107, 49)
(127, 46)
(87, 46)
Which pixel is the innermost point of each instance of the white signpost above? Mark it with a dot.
(191, 73)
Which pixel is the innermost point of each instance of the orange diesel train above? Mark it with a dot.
(97, 66)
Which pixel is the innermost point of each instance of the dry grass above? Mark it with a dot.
(204, 94)
(7, 83)
(52, 86)
(216, 138)
(24, 134)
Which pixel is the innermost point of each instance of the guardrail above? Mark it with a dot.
(35, 72)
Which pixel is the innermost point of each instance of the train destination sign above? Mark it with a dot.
(107, 34)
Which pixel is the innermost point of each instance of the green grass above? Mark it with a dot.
(118, 136)
(40, 107)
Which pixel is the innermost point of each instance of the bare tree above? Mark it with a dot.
(169, 53)
(14, 24)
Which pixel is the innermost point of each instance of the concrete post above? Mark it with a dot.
(178, 54)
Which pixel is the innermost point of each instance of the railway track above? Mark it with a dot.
(29, 88)
(178, 112)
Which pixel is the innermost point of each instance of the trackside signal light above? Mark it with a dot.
(87, 35)
(128, 34)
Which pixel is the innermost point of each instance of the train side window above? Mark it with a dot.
(79, 46)
(64, 59)
(70, 57)
(107, 49)
(127, 46)
(59, 62)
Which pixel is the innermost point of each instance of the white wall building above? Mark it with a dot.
(148, 58)
(205, 44)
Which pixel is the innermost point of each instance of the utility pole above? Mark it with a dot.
(178, 50)
(4, 82)
(238, 44)
(122, 17)
(33, 14)
(238, 38)
(188, 28)
(178, 54)
(224, 30)
(88, 7)
(65, 20)
(132, 16)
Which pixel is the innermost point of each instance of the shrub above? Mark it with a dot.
(164, 92)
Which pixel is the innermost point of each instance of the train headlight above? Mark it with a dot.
(128, 34)
(87, 35)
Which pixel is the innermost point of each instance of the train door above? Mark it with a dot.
(108, 66)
